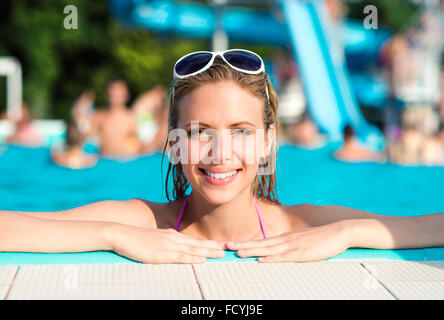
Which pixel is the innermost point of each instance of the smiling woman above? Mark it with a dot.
(220, 197)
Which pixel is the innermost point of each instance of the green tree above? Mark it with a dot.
(58, 64)
(393, 14)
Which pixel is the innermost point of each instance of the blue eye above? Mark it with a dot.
(242, 132)
(198, 134)
(194, 133)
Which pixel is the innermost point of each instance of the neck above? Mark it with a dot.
(73, 150)
(349, 142)
(236, 220)
(117, 106)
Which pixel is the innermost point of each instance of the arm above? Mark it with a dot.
(96, 123)
(331, 230)
(23, 233)
(19, 233)
(371, 230)
(397, 232)
(135, 212)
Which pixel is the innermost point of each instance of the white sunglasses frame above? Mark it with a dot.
(210, 63)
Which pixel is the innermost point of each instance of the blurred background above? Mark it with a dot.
(84, 85)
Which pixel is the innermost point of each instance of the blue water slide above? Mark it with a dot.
(241, 24)
(199, 20)
(331, 101)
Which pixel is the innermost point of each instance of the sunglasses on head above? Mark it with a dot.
(239, 59)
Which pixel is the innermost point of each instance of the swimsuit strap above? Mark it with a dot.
(260, 218)
(255, 204)
(181, 214)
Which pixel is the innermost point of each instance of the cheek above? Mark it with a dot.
(245, 151)
(249, 150)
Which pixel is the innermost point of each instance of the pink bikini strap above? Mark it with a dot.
(181, 213)
(260, 218)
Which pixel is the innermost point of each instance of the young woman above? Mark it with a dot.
(225, 99)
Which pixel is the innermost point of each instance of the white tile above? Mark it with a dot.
(105, 274)
(416, 290)
(7, 274)
(438, 265)
(406, 270)
(3, 291)
(145, 291)
(279, 272)
(293, 290)
(319, 280)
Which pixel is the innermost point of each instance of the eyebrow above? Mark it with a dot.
(232, 125)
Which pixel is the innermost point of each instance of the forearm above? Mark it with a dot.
(397, 232)
(22, 233)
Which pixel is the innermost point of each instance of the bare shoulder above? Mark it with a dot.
(155, 214)
(101, 116)
(299, 216)
(141, 212)
(316, 215)
(281, 218)
(135, 212)
(100, 113)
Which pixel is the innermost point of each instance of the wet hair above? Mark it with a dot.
(348, 132)
(264, 186)
(74, 137)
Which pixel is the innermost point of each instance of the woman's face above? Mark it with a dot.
(225, 140)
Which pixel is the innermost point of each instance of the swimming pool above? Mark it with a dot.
(29, 181)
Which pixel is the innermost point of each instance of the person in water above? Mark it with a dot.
(233, 203)
(74, 156)
(115, 129)
(25, 133)
(352, 151)
(151, 112)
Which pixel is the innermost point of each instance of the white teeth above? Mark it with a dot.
(220, 175)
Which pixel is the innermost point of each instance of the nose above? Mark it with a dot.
(221, 147)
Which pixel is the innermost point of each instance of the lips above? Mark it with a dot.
(219, 176)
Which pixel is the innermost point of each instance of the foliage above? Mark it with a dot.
(58, 64)
(393, 14)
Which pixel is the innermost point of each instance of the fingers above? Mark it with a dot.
(257, 243)
(175, 257)
(209, 244)
(277, 258)
(288, 257)
(185, 249)
(264, 251)
(184, 239)
(181, 257)
(199, 251)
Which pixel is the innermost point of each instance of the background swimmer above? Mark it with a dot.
(220, 213)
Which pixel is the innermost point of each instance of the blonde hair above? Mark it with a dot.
(264, 186)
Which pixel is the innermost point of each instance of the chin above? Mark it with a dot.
(218, 197)
(219, 191)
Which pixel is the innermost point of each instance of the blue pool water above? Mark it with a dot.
(29, 181)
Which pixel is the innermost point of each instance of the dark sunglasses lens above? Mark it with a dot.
(243, 60)
(193, 63)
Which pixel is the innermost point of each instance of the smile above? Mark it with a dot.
(219, 178)
(220, 175)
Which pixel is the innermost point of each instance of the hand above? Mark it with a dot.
(310, 244)
(150, 245)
